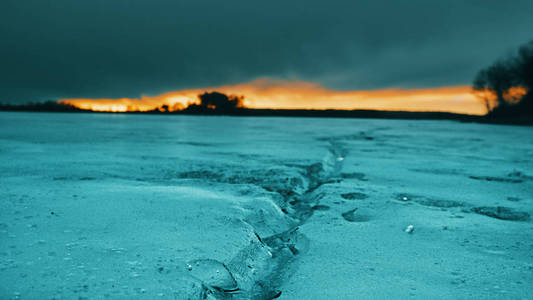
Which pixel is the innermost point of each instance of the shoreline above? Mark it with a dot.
(307, 113)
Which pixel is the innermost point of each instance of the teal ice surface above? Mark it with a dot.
(143, 206)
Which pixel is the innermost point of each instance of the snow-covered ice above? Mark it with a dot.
(144, 206)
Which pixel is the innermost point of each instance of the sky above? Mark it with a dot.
(133, 49)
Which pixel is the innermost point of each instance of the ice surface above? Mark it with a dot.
(180, 207)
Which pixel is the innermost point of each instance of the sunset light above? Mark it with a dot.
(275, 94)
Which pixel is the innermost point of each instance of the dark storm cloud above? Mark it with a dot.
(102, 48)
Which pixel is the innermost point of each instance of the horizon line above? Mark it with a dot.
(266, 93)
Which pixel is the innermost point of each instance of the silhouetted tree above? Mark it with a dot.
(481, 90)
(524, 72)
(220, 102)
(496, 80)
(501, 86)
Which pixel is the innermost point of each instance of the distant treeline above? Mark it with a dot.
(48, 106)
(220, 104)
(337, 113)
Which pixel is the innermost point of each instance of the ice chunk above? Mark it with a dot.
(410, 229)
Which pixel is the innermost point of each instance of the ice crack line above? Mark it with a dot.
(259, 269)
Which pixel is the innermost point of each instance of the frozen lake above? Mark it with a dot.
(178, 207)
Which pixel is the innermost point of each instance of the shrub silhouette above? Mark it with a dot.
(216, 102)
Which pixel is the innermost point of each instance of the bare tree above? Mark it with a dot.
(482, 91)
(507, 84)
(525, 71)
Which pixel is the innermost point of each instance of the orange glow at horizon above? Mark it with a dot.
(266, 93)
